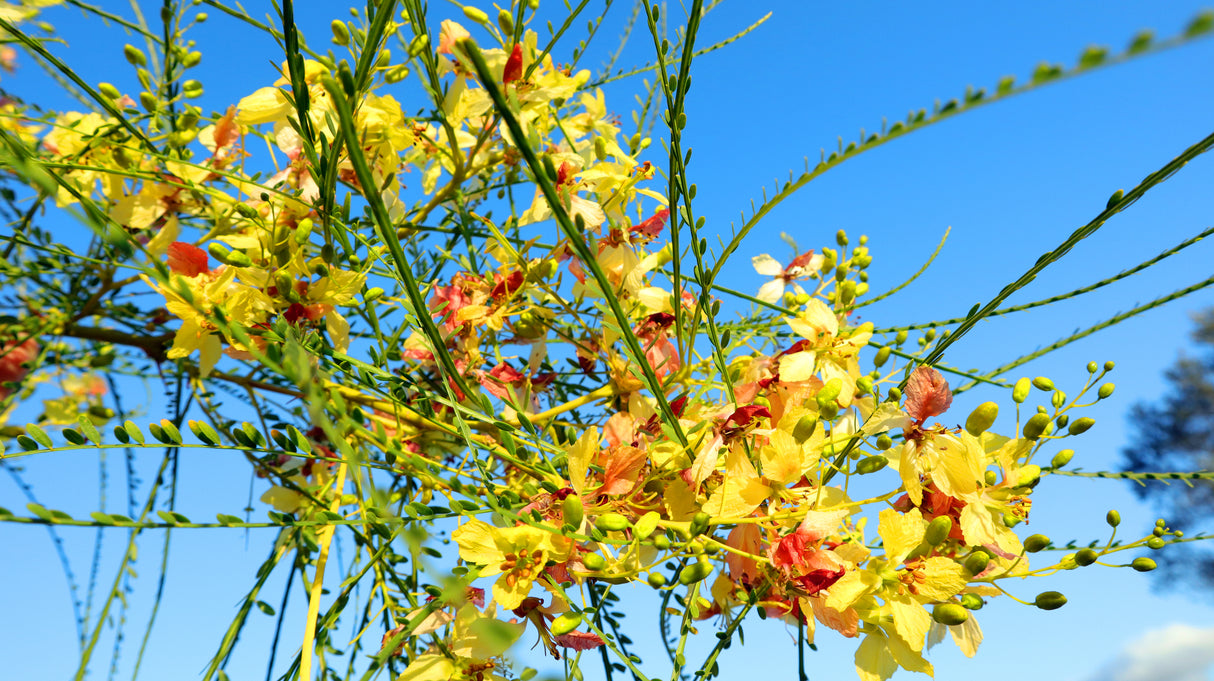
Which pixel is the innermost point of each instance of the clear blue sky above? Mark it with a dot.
(1012, 180)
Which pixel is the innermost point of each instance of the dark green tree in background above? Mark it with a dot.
(1177, 434)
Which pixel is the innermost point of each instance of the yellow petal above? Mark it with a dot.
(477, 544)
(428, 668)
(900, 532)
(911, 621)
(266, 105)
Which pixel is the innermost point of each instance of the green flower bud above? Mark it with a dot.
(612, 522)
(1049, 600)
(938, 530)
(884, 441)
(1058, 399)
(1035, 426)
(1106, 390)
(1113, 518)
(695, 572)
(1155, 543)
(572, 511)
(656, 579)
(990, 477)
(1021, 392)
(593, 561)
(1108, 366)
(864, 385)
(882, 357)
(341, 34)
(476, 15)
(1114, 199)
(1036, 542)
(1142, 564)
(950, 613)
(134, 55)
(830, 391)
(373, 294)
(646, 525)
(982, 418)
(977, 562)
(1085, 557)
(699, 523)
(1093, 367)
(565, 623)
(1062, 420)
(1028, 475)
(805, 428)
(828, 411)
(505, 21)
(901, 338)
(149, 102)
(108, 90)
(1080, 426)
(871, 464)
(192, 59)
(972, 601)
(841, 238)
(1062, 458)
(1158, 531)
(661, 542)
(233, 258)
(1043, 383)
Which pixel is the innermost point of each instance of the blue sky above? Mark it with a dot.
(1011, 180)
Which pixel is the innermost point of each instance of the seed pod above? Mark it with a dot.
(565, 623)
(1105, 390)
(982, 418)
(646, 525)
(1043, 383)
(593, 562)
(1049, 600)
(1062, 458)
(1142, 564)
(938, 530)
(1021, 392)
(951, 614)
(1080, 426)
(695, 572)
(1036, 425)
(977, 562)
(1085, 557)
(572, 511)
(1113, 518)
(871, 464)
(805, 428)
(972, 601)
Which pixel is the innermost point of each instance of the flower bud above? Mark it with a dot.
(950, 613)
(1105, 390)
(1036, 542)
(373, 294)
(830, 391)
(149, 102)
(1043, 383)
(1080, 426)
(871, 464)
(505, 21)
(565, 623)
(108, 90)
(696, 572)
(1049, 600)
(972, 601)
(1113, 518)
(191, 59)
(476, 15)
(841, 238)
(1036, 425)
(593, 561)
(1085, 557)
(134, 55)
(1108, 366)
(982, 418)
(1155, 543)
(656, 579)
(661, 542)
(805, 428)
(1027, 476)
(938, 530)
(341, 34)
(572, 511)
(1142, 564)
(1021, 392)
(901, 337)
(1062, 458)
(699, 523)
(1058, 399)
(884, 441)
(976, 562)
(882, 357)
(1093, 367)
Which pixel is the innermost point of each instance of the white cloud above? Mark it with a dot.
(1178, 652)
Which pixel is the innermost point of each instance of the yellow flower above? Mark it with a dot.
(518, 554)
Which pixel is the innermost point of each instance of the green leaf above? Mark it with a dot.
(225, 519)
(39, 510)
(170, 432)
(496, 635)
(27, 443)
(73, 436)
(265, 607)
(133, 431)
(101, 518)
(122, 435)
(90, 431)
(39, 436)
(204, 432)
(166, 516)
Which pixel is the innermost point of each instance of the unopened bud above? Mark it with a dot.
(972, 601)
(1021, 392)
(656, 580)
(696, 572)
(881, 358)
(1155, 543)
(871, 464)
(1113, 518)
(884, 441)
(938, 530)
(572, 511)
(1036, 426)
(831, 390)
(1142, 564)
(108, 90)
(134, 55)
(1028, 475)
(593, 561)
(1093, 367)
(1080, 426)
(977, 562)
(373, 294)
(1043, 383)
(1062, 458)
(1105, 390)
(699, 523)
(476, 15)
(1036, 542)
(1085, 557)
(982, 418)
(505, 21)
(805, 428)
(1049, 600)
(951, 614)
(565, 623)
(841, 238)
